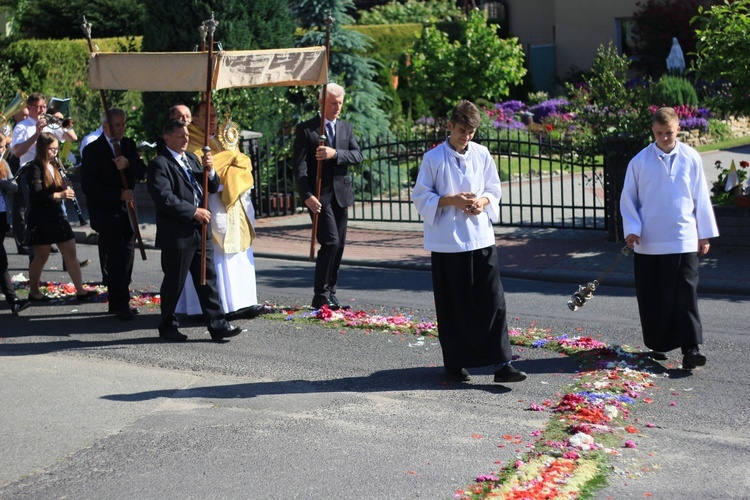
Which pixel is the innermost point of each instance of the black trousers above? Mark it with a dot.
(175, 263)
(666, 287)
(331, 236)
(6, 287)
(470, 307)
(20, 202)
(116, 254)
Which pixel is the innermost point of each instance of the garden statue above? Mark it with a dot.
(675, 59)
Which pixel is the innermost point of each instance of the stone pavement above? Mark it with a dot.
(560, 255)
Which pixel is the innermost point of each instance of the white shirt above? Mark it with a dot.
(90, 137)
(182, 160)
(665, 201)
(27, 128)
(444, 171)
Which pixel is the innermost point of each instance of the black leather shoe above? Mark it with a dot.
(318, 303)
(43, 298)
(334, 301)
(509, 374)
(231, 331)
(86, 296)
(173, 335)
(457, 374)
(18, 306)
(693, 359)
(656, 355)
(133, 310)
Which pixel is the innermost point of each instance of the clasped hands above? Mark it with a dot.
(469, 203)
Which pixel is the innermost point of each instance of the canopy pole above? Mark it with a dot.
(321, 139)
(86, 27)
(210, 27)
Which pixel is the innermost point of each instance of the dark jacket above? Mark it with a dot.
(335, 172)
(102, 184)
(173, 198)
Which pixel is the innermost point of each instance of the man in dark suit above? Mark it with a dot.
(106, 199)
(175, 182)
(339, 150)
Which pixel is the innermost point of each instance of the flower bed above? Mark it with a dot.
(587, 425)
(66, 291)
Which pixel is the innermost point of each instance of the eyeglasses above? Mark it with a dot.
(54, 150)
(39, 106)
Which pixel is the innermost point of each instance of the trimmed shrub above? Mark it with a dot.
(675, 91)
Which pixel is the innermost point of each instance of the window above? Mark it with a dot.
(624, 39)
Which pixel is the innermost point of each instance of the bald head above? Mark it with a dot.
(180, 112)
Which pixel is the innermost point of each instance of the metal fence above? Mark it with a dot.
(545, 183)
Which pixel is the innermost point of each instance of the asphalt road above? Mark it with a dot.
(96, 408)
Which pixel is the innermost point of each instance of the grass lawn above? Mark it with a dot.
(522, 165)
(728, 144)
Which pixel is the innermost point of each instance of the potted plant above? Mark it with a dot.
(734, 179)
(732, 217)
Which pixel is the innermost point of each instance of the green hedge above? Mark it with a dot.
(389, 41)
(59, 68)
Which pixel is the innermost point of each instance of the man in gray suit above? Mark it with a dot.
(339, 151)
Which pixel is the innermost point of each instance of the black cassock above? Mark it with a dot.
(666, 287)
(470, 306)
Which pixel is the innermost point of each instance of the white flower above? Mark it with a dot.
(611, 411)
(582, 441)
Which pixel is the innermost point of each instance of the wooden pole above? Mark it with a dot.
(321, 141)
(86, 26)
(210, 25)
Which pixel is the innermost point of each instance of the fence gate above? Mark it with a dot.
(545, 183)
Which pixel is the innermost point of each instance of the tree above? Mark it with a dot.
(412, 11)
(723, 52)
(355, 72)
(477, 65)
(428, 73)
(261, 24)
(42, 19)
(486, 65)
(606, 105)
(178, 35)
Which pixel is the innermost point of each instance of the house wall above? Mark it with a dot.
(532, 21)
(576, 27)
(582, 26)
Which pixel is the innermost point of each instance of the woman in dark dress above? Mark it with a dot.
(47, 222)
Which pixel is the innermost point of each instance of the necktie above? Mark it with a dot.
(331, 134)
(197, 192)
